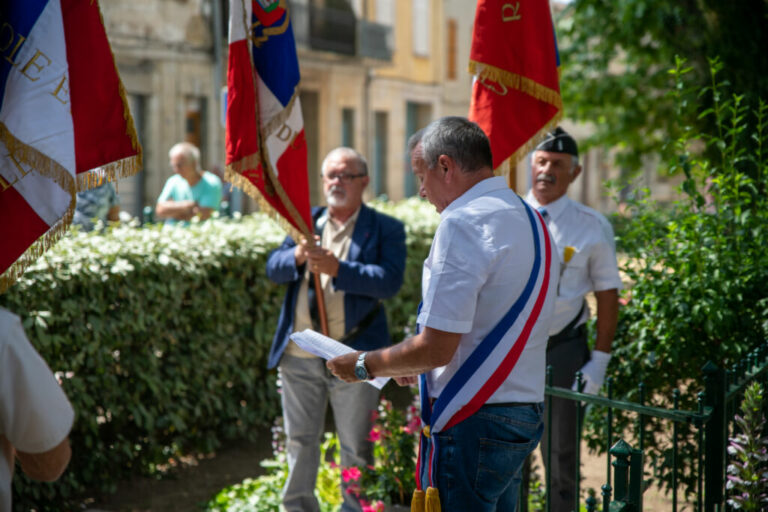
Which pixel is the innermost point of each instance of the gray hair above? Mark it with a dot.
(360, 162)
(456, 137)
(188, 151)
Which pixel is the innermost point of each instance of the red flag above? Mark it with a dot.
(64, 123)
(516, 93)
(266, 147)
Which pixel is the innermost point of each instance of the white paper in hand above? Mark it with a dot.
(328, 348)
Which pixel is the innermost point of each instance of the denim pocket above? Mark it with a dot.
(525, 417)
(499, 462)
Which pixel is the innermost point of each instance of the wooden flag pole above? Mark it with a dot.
(320, 303)
(319, 295)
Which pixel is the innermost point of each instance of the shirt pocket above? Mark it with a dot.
(575, 271)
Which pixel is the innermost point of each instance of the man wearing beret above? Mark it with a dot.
(585, 244)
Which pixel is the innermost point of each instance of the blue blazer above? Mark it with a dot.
(373, 270)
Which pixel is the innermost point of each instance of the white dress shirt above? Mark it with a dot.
(593, 264)
(35, 415)
(481, 257)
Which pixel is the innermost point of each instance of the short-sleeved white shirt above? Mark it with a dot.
(480, 260)
(35, 415)
(593, 264)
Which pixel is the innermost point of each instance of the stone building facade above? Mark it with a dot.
(373, 72)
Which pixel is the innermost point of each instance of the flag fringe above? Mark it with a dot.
(232, 175)
(124, 168)
(526, 148)
(515, 81)
(48, 168)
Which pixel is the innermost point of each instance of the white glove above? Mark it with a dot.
(593, 373)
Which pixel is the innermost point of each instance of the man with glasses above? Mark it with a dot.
(360, 256)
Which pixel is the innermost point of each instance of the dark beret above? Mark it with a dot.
(558, 141)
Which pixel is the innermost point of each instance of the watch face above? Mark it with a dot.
(360, 372)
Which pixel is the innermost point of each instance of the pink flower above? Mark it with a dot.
(413, 426)
(376, 506)
(353, 490)
(333, 464)
(350, 474)
(374, 435)
(374, 415)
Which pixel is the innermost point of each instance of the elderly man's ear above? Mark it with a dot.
(575, 173)
(446, 167)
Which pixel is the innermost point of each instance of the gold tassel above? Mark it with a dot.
(515, 81)
(417, 502)
(432, 503)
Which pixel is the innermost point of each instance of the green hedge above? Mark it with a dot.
(160, 337)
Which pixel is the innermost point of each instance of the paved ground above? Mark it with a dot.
(193, 484)
(199, 481)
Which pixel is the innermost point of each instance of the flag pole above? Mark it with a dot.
(320, 297)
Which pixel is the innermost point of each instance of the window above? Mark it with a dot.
(348, 127)
(195, 124)
(420, 23)
(452, 53)
(309, 110)
(417, 116)
(385, 13)
(380, 143)
(131, 189)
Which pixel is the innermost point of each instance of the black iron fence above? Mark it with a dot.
(707, 427)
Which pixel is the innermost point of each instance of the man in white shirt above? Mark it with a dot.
(585, 246)
(35, 416)
(488, 290)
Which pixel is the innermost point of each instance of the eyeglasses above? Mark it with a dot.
(345, 177)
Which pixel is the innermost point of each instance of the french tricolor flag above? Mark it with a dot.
(64, 122)
(266, 150)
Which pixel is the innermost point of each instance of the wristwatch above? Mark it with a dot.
(360, 370)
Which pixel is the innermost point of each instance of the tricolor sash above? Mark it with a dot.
(490, 363)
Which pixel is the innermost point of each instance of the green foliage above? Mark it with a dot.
(748, 471)
(698, 270)
(395, 436)
(389, 481)
(160, 338)
(264, 494)
(421, 221)
(615, 54)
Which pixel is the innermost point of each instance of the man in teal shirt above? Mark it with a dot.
(190, 192)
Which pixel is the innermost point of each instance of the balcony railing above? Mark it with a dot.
(340, 31)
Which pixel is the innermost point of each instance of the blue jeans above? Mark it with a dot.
(480, 459)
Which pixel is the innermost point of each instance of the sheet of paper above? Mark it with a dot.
(328, 348)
